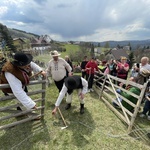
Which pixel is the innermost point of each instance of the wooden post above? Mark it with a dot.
(118, 100)
(43, 97)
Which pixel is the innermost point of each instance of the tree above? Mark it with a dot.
(118, 46)
(77, 56)
(131, 59)
(9, 46)
(99, 44)
(106, 45)
(129, 46)
(71, 42)
(28, 45)
(92, 49)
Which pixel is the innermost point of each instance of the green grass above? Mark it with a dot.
(97, 129)
(70, 48)
(43, 58)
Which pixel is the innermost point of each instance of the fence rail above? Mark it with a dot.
(10, 116)
(105, 86)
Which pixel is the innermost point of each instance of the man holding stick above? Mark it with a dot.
(71, 83)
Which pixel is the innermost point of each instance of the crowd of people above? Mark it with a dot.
(17, 73)
(140, 73)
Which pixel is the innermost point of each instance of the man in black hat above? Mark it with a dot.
(71, 83)
(17, 73)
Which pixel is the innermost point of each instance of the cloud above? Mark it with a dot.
(80, 19)
(3, 10)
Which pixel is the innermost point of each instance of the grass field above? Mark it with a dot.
(97, 129)
(69, 49)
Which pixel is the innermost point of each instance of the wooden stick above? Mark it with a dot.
(62, 117)
(36, 74)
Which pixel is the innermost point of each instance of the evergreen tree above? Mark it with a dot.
(129, 46)
(92, 49)
(9, 46)
(118, 46)
(106, 45)
(99, 44)
(131, 59)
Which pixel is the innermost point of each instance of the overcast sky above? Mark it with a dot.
(86, 20)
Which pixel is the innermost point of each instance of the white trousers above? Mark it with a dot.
(69, 97)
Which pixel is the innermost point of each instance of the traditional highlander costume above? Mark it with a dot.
(17, 77)
(71, 83)
(22, 75)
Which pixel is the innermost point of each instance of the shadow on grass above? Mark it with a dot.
(23, 137)
(81, 126)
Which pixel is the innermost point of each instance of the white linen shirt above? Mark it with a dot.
(65, 89)
(57, 69)
(18, 91)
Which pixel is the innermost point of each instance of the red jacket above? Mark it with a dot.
(93, 66)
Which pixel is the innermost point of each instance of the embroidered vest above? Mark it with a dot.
(22, 75)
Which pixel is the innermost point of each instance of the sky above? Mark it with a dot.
(79, 20)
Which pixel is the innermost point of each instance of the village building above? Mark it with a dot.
(116, 54)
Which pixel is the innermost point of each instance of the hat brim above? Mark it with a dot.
(69, 86)
(145, 73)
(55, 55)
(16, 63)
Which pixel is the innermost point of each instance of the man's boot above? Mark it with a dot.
(81, 108)
(68, 106)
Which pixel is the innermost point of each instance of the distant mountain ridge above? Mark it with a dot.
(133, 43)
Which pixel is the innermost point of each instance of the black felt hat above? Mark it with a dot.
(21, 59)
(71, 83)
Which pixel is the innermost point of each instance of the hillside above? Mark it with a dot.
(15, 33)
